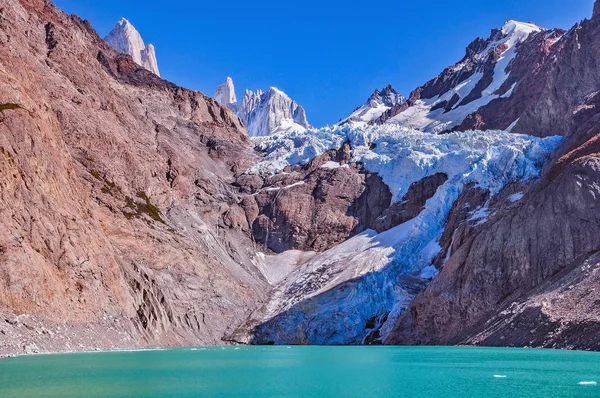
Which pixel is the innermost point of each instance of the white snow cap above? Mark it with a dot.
(378, 103)
(125, 39)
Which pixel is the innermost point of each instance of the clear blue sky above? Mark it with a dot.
(328, 55)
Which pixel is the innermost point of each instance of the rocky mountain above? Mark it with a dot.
(485, 74)
(225, 95)
(515, 266)
(137, 213)
(264, 113)
(380, 106)
(114, 188)
(524, 277)
(127, 40)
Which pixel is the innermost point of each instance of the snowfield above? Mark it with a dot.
(332, 297)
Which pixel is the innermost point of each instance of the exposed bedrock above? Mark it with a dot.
(521, 254)
(313, 207)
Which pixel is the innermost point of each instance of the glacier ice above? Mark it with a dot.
(330, 298)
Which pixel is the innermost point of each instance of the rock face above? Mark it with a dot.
(524, 277)
(267, 113)
(315, 207)
(225, 95)
(485, 76)
(112, 188)
(411, 205)
(127, 40)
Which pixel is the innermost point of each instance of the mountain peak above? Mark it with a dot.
(267, 113)
(225, 94)
(596, 9)
(125, 39)
(378, 104)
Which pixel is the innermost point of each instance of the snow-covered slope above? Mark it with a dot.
(225, 95)
(475, 81)
(369, 279)
(125, 39)
(378, 103)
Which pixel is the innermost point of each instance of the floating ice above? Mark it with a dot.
(587, 383)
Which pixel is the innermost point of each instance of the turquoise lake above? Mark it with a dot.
(305, 372)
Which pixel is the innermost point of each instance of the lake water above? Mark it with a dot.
(305, 372)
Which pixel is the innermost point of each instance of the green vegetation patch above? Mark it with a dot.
(8, 107)
(139, 209)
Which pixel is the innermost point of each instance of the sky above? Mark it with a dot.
(327, 55)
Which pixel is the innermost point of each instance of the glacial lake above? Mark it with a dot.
(305, 372)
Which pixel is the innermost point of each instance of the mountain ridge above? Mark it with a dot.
(140, 214)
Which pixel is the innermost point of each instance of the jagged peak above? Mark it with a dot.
(596, 12)
(126, 39)
(510, 34)
(225, 94)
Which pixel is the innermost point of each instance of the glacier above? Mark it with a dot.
(357, 290)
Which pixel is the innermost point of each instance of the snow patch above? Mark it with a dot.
(421, 115)
(333, 165)
(516, 197)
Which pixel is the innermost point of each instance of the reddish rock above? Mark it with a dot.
(112, 189)
(411, 205)
(315, 208)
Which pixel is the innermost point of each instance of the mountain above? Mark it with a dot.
(127, 40)
(263, 113)
(137, 213)
(482, 76)
(271, 112)
(225, 95)
(513, 265)
(115, 187)
(380, 106)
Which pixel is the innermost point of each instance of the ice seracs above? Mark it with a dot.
(225, 95)
(264, 113)
(355, 291)
(125, 39)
